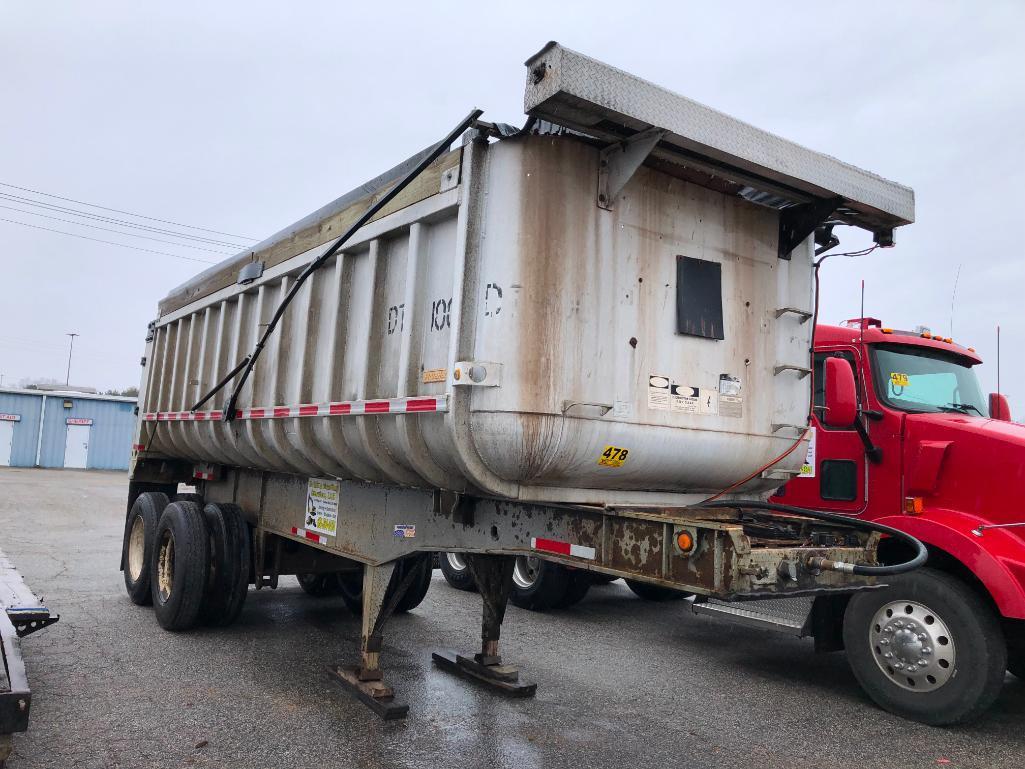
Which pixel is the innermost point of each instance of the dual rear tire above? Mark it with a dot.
(349, 584)
(191, 562)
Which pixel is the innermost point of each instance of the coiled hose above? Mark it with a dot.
(921, 554)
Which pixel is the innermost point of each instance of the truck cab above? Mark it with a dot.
(929, 454)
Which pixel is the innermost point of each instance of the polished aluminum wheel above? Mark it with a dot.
(912, 645)
(526, 571)
(456, 561)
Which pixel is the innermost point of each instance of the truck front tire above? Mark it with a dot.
(180, 565)
(140, 532)
(926, 648)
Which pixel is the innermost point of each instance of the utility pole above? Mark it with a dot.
(70, 348)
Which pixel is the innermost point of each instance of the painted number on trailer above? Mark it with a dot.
(440, 310)
(396, 318)
(613, 456)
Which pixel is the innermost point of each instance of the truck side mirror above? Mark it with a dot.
(841, 393)
(999, 408)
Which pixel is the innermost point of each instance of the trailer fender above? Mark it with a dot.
(994, 558)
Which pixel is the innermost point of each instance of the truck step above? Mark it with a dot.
(785, 615)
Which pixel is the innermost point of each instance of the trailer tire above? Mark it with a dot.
(654, 592)
(456, 572)
(964, 649)
(578, 583)
(180, 566)
(538, 585)
(228, 583)
(598, 578)
(140, 530)
(190, 496)
(350, 585)
(319, 585)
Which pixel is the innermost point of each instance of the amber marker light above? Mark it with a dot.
(685, 541)
(913, 505)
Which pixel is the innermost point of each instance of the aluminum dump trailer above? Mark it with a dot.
(552, 340)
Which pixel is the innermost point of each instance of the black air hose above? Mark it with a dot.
(921, 554)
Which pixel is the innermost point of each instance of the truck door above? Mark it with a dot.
(834, 476)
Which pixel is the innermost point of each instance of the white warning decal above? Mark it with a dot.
(404, 530)
(658, 392)
(694, 400)
(731, 404)
(808, 468)
(322, 506)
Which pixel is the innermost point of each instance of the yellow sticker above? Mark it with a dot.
(435, 375)
(899, 380)
(613, 456)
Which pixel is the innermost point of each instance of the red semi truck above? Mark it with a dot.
(910, 441)
(927, 453)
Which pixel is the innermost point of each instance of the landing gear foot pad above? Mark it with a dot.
(504, 678)
(376, 695)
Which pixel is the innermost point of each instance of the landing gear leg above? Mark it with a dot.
(365, 680)
(493, 576)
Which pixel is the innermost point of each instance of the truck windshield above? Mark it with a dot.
(918, 379)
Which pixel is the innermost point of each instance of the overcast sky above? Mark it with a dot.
(245, 116)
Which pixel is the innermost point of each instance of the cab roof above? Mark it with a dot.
(874, 332)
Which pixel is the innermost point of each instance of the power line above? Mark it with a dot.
(111, 220)
(118, 232)
(129, 213)
(108, 242)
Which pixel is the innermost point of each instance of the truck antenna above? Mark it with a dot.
(953, 296)
(998, 359)
(862, 323)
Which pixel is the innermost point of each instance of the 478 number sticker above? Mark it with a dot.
(613, 456)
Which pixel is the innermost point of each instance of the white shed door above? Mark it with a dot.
(6, 441)
(76, 449)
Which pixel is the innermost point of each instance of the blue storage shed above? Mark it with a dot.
(65, 429)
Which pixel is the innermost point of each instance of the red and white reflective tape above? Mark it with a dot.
(562, 548)
(418, 405)
(310, 535)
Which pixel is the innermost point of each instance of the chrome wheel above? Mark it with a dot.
(136, 548)
(525, 571)
(456, 561)
(912, 645)
(165, 568)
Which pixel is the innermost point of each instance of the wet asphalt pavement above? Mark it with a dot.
(622, 683)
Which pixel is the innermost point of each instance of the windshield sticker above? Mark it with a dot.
(899, 380)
